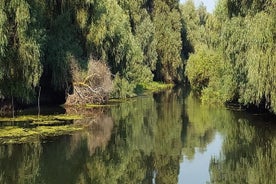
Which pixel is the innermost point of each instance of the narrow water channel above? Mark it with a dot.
(164, 138)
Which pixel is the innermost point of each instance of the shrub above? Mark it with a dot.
(211, 76)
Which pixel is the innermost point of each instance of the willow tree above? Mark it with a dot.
(245, 7)
(63, 44)
(247, 63)
(251, 52)
(111, 40)
(20, 50)
(142, 28)
(261, 62)
(195, 20)
(166, 17)
(3, 38)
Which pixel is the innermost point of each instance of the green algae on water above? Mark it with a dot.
(10, 135)
(38, 127)
(48, 122)
(32, 118)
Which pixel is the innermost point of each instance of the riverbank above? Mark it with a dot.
(29, 125)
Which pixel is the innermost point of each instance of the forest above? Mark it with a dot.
(62, 51)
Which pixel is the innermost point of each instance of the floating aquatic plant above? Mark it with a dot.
(37, 127)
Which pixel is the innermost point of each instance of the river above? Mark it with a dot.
(162, 138)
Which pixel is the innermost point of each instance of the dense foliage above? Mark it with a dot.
(20, 49)
(140, 41)
(39, 41)
(234, 58)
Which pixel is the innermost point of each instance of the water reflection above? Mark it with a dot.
(196, 170)
(201, 140)
(19, 163)
(147, 140)
(248, 154)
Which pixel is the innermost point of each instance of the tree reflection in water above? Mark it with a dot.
(19, 163)
(248, 154)
(143, 140)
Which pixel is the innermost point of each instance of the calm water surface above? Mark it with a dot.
(164, 138)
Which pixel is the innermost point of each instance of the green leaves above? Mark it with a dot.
(3, 36)
(250, 51)
(261, 63)
(39, 39)
(111, 37)
(168, 35)
(3, 39)
(19, 51)
(210, 76)
(237, 62)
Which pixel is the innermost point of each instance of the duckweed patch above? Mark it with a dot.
(39, 127)
(10, 135)
(50, 122)
(31, 118)
(67, 117)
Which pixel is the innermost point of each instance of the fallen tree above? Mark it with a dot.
(91, 86)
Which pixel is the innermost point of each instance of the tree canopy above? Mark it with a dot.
(227, 55)
(242, 36)
(39, 41)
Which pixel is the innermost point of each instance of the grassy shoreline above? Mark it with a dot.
(152, 87)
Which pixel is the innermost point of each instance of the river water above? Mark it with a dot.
(164, 138)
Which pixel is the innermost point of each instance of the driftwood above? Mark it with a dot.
(92, 86)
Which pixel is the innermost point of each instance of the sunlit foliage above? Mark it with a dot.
(167, 21)
(242, 35)
(139, 40)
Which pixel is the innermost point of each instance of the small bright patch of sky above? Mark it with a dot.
(210, 4)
